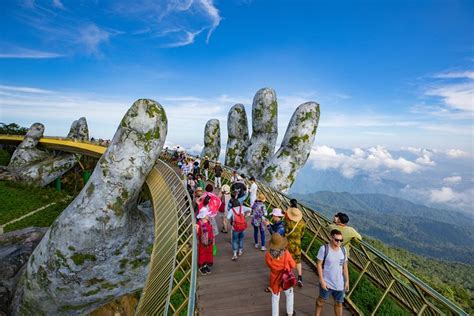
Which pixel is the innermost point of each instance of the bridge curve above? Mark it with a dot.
(177, 277)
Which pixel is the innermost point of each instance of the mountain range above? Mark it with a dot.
(431, 232)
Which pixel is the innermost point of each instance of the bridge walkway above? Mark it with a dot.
(237, 288)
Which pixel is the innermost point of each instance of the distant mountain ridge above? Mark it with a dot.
(423, 230)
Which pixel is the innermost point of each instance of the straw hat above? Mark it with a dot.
(277, 212)
(225, 188)
(218, 162)
(294, 214)
(277, 242)
(261, 197)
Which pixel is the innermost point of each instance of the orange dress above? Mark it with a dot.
(276, 269)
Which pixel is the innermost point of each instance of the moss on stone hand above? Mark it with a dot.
(269, 174)
(79, 258)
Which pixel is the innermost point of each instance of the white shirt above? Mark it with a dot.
(333, 268)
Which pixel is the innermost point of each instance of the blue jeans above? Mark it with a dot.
(237, 240)
(338, 295)
(243, 198)
(256, 229)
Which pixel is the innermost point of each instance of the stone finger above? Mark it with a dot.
(264, 131)
(238, 137)
(212, 140)
(281, 171)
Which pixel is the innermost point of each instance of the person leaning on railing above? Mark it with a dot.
(348, 233)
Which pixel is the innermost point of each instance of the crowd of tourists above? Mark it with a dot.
(225, 203)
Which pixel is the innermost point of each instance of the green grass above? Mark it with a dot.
(43, 218)
(18, 200)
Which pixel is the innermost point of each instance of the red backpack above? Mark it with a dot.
(288, 279)
(240, 224)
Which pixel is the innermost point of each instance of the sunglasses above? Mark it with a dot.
(338, 240)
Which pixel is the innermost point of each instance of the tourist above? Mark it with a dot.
(213, 207)
(191, 183)
(236, 216)
(205, 240)
(333, 273)
(259, 212)
(200, 182)
(196, 167)
(253, 190)
(294, 231)
(217, 175)
(276, 225)
(223, 210)
(239, 189)
(205, 167)
(234, 177)
(348, 233)
(278, 259)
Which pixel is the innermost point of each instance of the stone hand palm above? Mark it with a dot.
(255, 156)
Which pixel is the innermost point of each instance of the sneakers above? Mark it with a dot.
(203, 270)
(241, 251)
(256, 246)
(300, 281)
(263, 248)
(234, 258)
(208, 270)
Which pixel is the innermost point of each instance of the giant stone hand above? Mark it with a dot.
(255, 157)
(96, 250)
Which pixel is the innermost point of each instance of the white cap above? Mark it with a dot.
(277, 212)
(203, 213)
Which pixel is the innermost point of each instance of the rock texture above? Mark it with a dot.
(281, 171)
(255, 157)
(79, 130)
(238, 137)
(212, 140)
(38, 167)
(264, 132)
(15, 249)
(26, 153)
(99, 247)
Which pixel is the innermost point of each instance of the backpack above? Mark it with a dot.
(204, 239)
(326, 252)
(240, 224)
(288, 279)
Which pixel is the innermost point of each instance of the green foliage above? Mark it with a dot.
(18, 200)
(178, 298)
(12, 129)
(80, 258)
(4, 157)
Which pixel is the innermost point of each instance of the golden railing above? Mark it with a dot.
(170, 287)
(392, 280)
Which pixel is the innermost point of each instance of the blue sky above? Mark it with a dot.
(389, 75)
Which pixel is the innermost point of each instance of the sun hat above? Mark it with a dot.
(294, 214)
(277, 242)
(225, 188)
(261, 197)
(199, 189)
(277, 212)
(218, 162)
(203, 213)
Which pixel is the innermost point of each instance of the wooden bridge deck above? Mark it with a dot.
(237, 288)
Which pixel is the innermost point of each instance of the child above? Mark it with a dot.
(278, 259)
(205, 240)
(259, 211)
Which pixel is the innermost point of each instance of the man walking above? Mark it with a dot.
(217, 175)
(333, 273)
(348, 233)
(205, 167)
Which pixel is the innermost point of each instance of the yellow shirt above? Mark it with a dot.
(348, 233)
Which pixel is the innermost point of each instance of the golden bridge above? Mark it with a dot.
(172, 288)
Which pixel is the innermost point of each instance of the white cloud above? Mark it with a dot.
(425, 158)
(443, 195)
(91, 36)
(58, 4)
(23, 53)
(186, 38)
(452, 179)
(455, 74)
(213, 13)
(456, 153)
(374, 160)
(456, 96)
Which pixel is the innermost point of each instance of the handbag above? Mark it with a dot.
(288, 279)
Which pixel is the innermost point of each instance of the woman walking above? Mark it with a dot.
(236, 216)
(223, 210)
(278, 259)
(294, 231)
(259, 211)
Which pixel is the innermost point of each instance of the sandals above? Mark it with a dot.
(268, 289)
